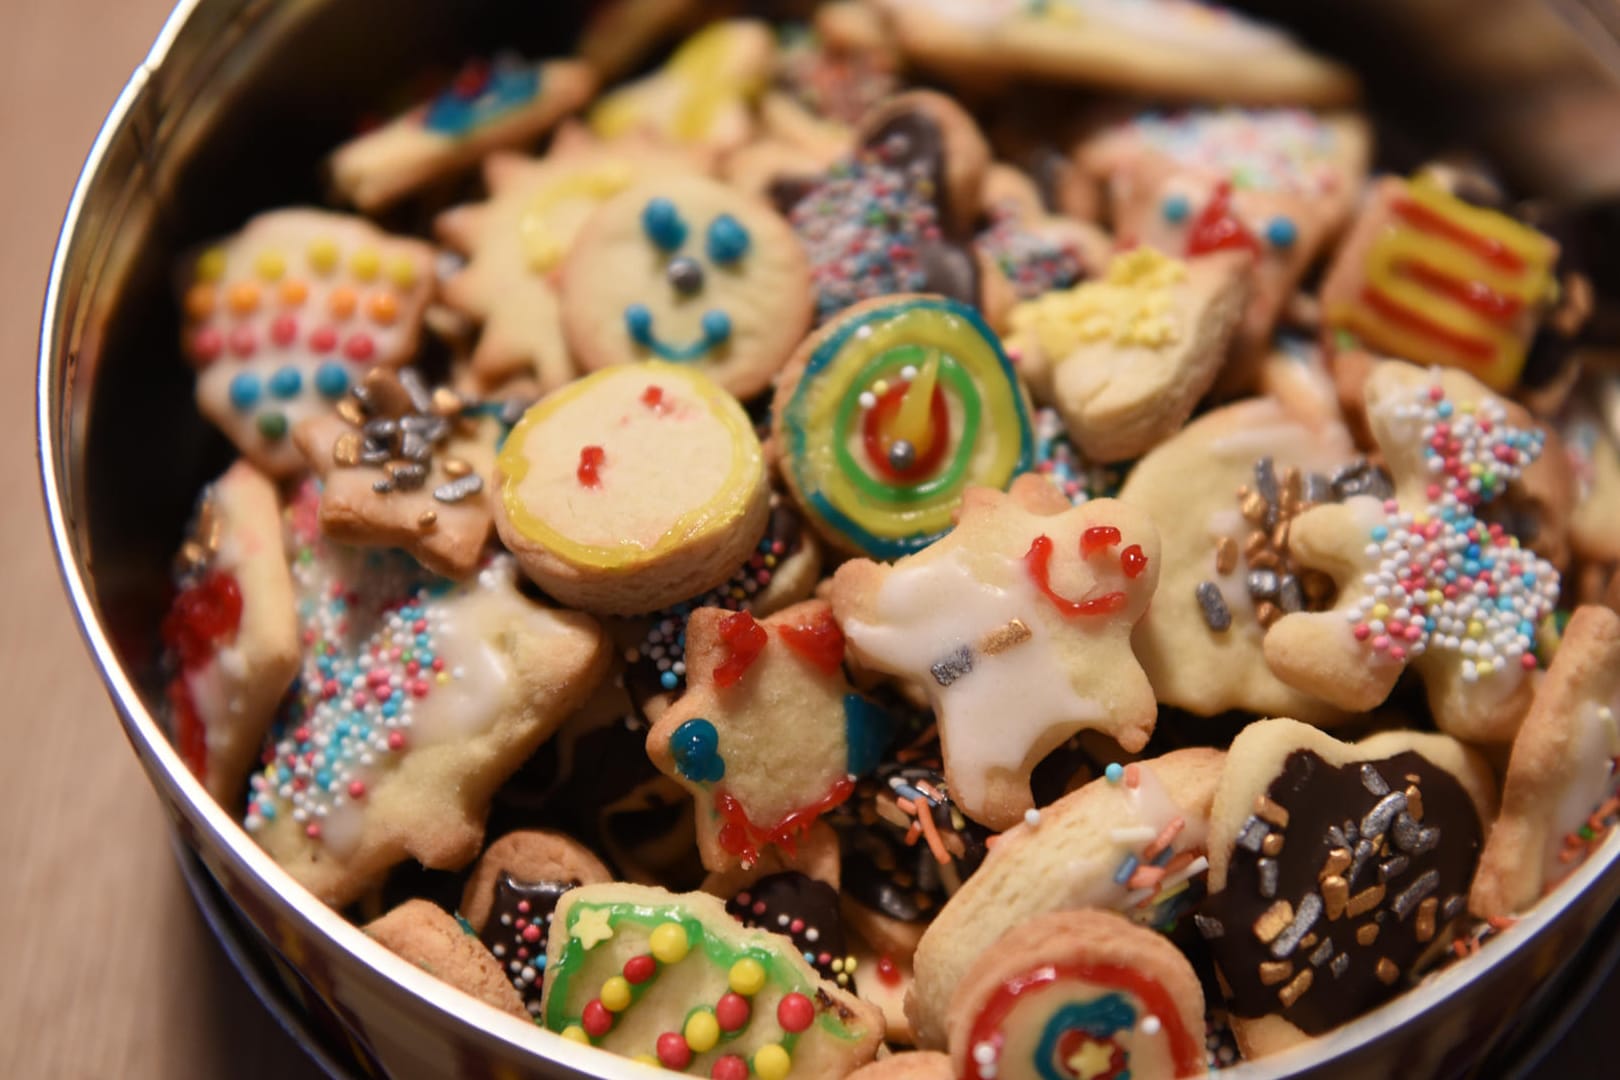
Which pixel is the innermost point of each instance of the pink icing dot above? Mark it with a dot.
(359, 347)
(243, 341)
(323, 339)
(284, 330)
(207, 344)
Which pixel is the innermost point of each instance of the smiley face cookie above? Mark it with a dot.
(1131, 842)
(1175, 49)
(1029, 597)
(1432, 279)
(1126, 357)
(1079, 994)
(889, 413)
(1334, 869)
(765, 733)
(284, 317)
(1225, 489)
(687, 270)
(674, 981)
(517, 241)
(1424, 577)
(415, 703)
(490, 104)
(1559, 796)
(232, 630)
(632, 489)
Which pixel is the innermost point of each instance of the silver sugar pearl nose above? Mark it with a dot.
(685, 275)
(902, 455)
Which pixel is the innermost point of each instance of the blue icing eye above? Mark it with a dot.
(663, 224)
(716, 327)
(867, 731)
(286, 382)
(728, 239)
(331, 380)
(695, 746)
(245, 391)
(1281, 232)
(1175, 209)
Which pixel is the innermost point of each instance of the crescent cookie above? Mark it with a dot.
(233, 631)
(1558, 798)
(284, 317)
(1133, 842)
(1223, 490)
(632, 489)
(674, 981)
(687, 270)
(489, 105)
(1335, 870)
(1126, 357)
(1078, 994)
(421, 932)
(1029, 600)
(889, 413)
(1422, 579)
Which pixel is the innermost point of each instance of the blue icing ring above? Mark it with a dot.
(1099, 1018)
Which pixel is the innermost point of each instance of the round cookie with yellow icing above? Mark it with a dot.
(632, 489)
(687, 270)
(889, 413)
(1079, 994)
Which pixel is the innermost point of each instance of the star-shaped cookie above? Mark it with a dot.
(1017, 624)
(763, 735)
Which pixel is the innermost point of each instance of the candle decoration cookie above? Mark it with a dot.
(1561, 794)
(1423, 576)
(1031, 599)
(284, 317)
(490, 104)
(889, 413)
(1132, 841)
(1124, 358)
(768, 732)
(632, 489)
(687, 270)
(1432, 279)
(674, 981)
(231, 631)
(1079, 995)
(1335, 868)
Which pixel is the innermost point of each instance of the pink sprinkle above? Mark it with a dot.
(796, 926)
(357, 789)
(1361, 631)
(301, 734)
(1397, 652)
(1528, 661)
(1381, 642)
(531, 933)
(396, 740)
(1436, 393)
(360, 699)
(313, 830)
(419, 688)
(438, 663)
(523, 906)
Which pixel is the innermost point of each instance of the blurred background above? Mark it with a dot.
(109, 971)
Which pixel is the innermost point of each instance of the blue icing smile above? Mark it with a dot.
(716, 325)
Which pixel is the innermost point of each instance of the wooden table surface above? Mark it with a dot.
(108, 971)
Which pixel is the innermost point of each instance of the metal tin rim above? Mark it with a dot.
(170, 775)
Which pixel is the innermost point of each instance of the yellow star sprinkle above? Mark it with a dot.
(591, 927)
(1091, 1060)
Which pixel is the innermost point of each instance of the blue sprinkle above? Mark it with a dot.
(810, 958)
(286, 382)
(1443, 409)
(1126, 869)
(1281, 233)
(1175, 209)
(245, 391)
(667, 680)
(540, 962)
(1380, 533)
(331, 380)
(267, 810)
(728, 240)
(324, 778)
(663, 224)
(1115, 772)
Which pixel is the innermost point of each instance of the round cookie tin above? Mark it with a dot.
(229, 113)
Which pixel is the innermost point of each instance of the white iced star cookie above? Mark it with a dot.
(1028, 599)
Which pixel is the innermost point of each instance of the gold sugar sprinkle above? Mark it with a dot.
(1294, 990)
(346, 451)
(1365, 900)
(1267, 613)
(1273, 972)
(1270, 812)
(446, 402)
(1272, 845)
(1338, 861)
(1367, 934)
(427, 519)
(455, 468)
(1279, 536)
(1226, 555)
(1414, 802)
(1273, 921)
(1254, 507)
(1254, 544)
(1387, 971)
(351, 412)
(1424, 928)
(1005, 637)
(1335, 895)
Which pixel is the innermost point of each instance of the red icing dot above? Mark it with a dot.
(730, 1067)
(673, 1053)
(888, 973)
(820, 641)
(590, 459)
(1132, 561)
(243, 341)
(1098, 538)
(653, 398)
(732, 1012)
(638, 969)
(596, 1020)
(284, 330)
(207, 344)
(323, 340)
(359, 347)
(744, 639)
(795, 1013)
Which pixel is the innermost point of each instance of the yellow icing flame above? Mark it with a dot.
(911, 422)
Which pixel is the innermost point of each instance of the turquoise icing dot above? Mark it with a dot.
(1281, 232)
(696, 749)
(663, 224)
(286, 382)
(728, 239)
(867, 731)
(331, 380)
(1175, 209)
(1115, 772)
(245, 391)
(716, 327)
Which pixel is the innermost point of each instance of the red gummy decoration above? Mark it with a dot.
(1039, 559)
(744, 639)
(730, 1067)
(638, 969)
(732, 1012)
(874, 434)
(820, 641)
(596, 1019)
(190, 735)
(673, 1053)
(1216, 229)
(653, 398)
(741, 837)
(795, 1013)
(1097, 538)
(203, 617)
(888, 973)
(1132, 561)
(590, 459)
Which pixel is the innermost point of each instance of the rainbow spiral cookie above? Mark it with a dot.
(889, 413)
